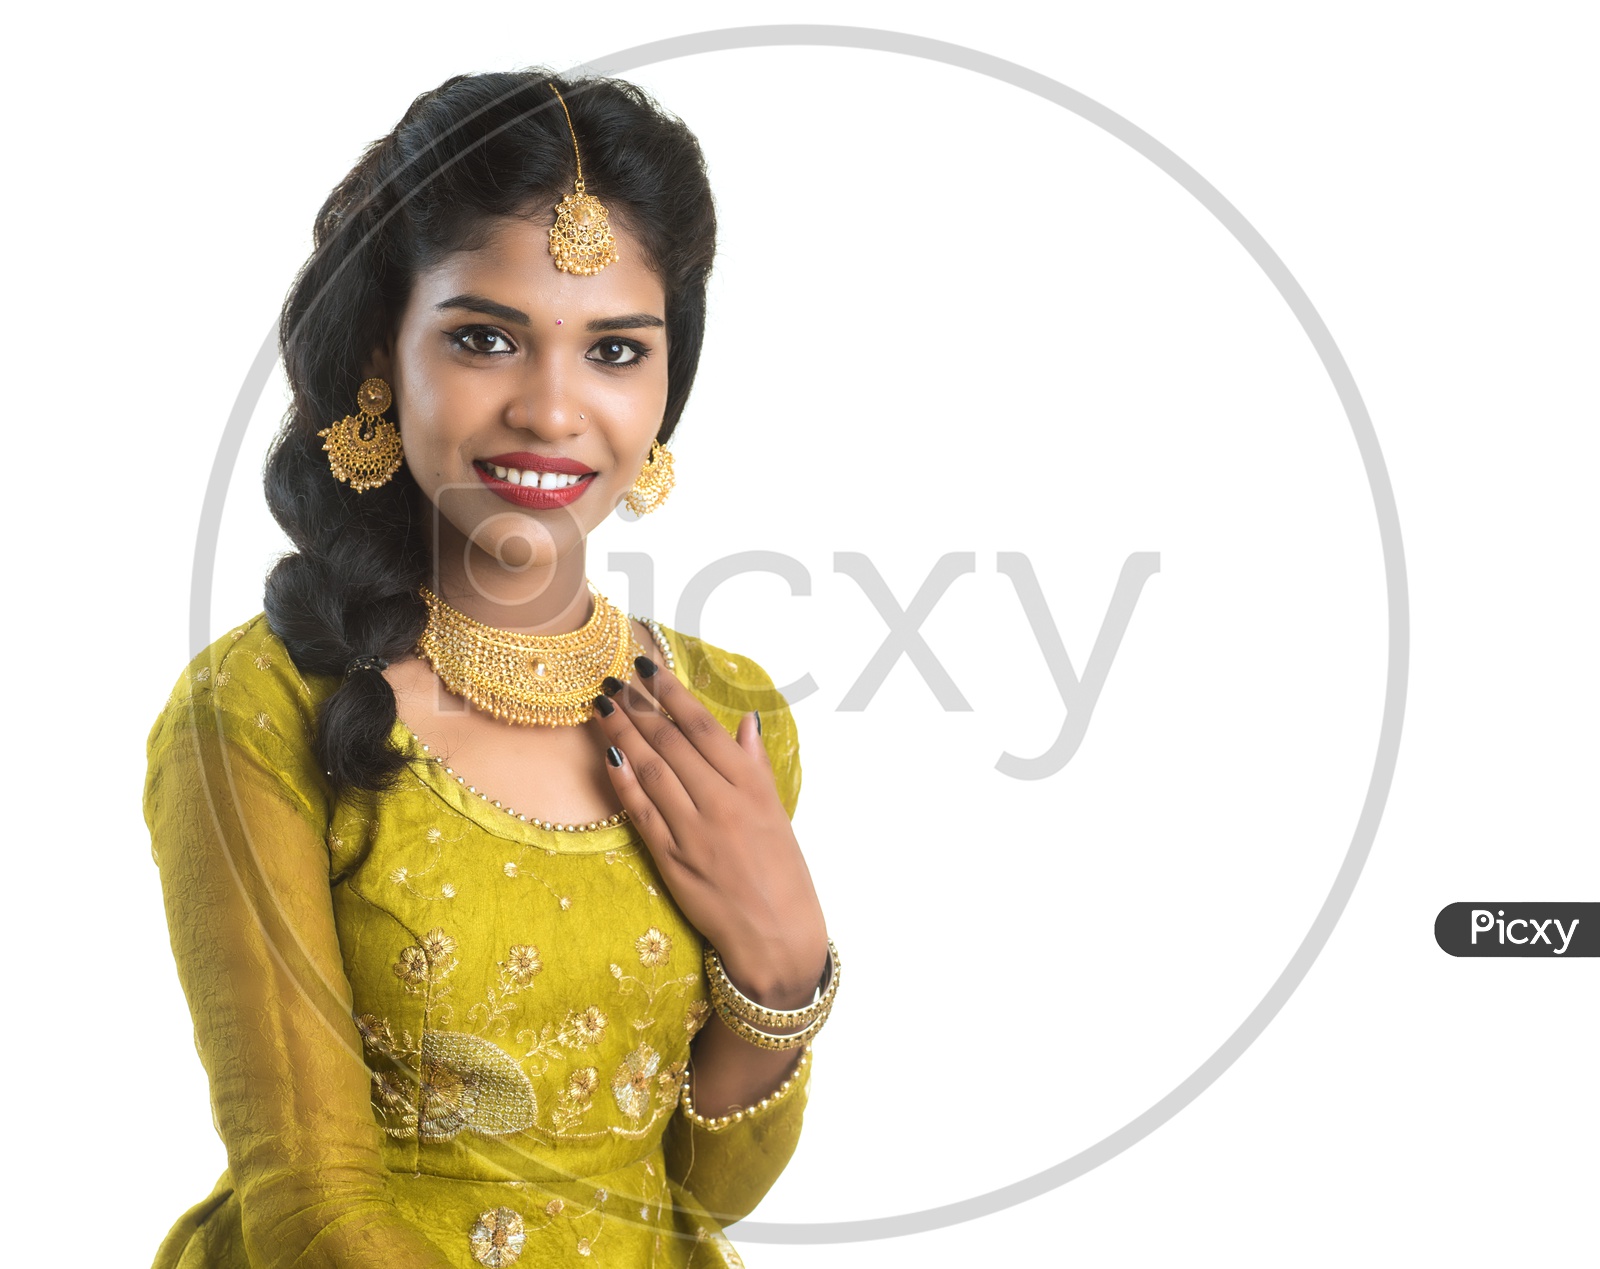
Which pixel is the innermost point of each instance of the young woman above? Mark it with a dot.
(484, 896)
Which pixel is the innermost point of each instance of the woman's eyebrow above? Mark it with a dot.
(488, 307)
(491, 308)
(633, 321)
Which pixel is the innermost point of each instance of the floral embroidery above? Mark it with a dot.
(522, 964)
(375, 1033)
(631, 1081)
(498, 1237)
(439, 947)
(388, 1089)
(584, 1028)
(654, 947)
(264, 661)
(204, 674)
(222, 678)
(465, 1083)
(412, 967)
(696, 1015)
(263, 721)
(406, 878)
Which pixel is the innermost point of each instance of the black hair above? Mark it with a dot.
(476, 148)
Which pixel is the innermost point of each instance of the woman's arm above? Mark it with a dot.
(740, 875)
(237, 830)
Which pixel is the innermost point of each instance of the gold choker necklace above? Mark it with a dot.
(539, 680)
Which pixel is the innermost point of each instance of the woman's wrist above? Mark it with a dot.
(781, 981)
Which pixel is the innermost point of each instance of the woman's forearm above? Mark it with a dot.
(729, 1073)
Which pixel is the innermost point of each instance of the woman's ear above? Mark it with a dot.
(378, 365)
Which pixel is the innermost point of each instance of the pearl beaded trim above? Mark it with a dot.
(719, 1122)
(610, 821)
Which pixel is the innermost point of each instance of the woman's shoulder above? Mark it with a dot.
(723, 679)
(731, 683)
(247, 674)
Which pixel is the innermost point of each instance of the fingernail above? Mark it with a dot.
(604, 705)
(644, 665)
(612, 685)
(613, 756)
(758, 722)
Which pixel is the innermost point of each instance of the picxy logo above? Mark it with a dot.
(1518, 929)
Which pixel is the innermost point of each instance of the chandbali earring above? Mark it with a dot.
(364, 448)
(654, 483)
(580, 240)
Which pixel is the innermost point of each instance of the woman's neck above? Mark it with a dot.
(540, 599)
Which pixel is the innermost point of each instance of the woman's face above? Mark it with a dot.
(502, 361)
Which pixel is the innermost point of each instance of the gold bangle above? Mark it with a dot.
(723, 991)
(719, 1122)
(766, 1039)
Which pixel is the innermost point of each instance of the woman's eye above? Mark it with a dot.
(482, 339)
(618, 352)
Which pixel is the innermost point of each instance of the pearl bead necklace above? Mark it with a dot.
(610, 821)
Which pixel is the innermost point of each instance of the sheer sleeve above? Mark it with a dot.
(728, 1164)
(238, 817)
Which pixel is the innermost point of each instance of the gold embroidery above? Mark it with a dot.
(498, 1237)
(406, 878)
(263, 721)
(631, 1081)
(696, 1015)
(523, 964)
(264, 661)
(222, 678)
(467, 1082)
(585, 1028)
(205, 673)
(654, 947)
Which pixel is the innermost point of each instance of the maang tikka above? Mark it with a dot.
(580, 240)
(364, 448)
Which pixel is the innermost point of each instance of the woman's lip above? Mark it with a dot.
(523, 460)
(528, 496)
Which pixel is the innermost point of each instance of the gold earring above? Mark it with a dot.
(364, 448)
(655, 482)
(580, 240)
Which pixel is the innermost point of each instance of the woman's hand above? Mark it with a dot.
(706, 804)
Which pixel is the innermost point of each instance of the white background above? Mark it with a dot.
(1032, 964)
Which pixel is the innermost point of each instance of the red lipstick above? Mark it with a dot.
(530, 496)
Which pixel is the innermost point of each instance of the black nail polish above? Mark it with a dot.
(758, 722)
(612, 685)
(644, 665)
(613, 756)
(604, 705)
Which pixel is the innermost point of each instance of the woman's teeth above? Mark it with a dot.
(534, 479)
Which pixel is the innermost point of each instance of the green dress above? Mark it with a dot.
(438, 1034)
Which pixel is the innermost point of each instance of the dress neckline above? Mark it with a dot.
(429, 771)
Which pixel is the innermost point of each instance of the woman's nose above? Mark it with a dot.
(546, 406)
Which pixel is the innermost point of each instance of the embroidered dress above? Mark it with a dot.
(436, 1034)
